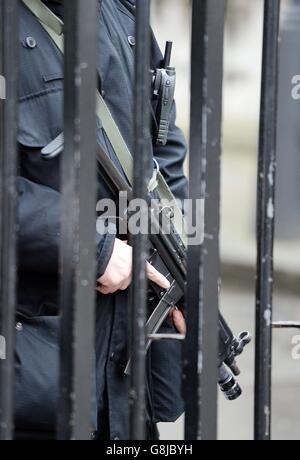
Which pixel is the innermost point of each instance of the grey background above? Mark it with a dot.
(242, 71)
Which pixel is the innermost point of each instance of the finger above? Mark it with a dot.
(103, 290)
(179, 321)
(171, 313)
(157, 277)
(125, 285)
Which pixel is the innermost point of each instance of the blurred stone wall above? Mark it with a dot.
(171, 20)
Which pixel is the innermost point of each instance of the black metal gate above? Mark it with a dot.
(79, 179)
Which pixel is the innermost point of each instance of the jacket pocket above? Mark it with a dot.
(41, 113)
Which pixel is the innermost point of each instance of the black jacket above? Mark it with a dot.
(40, 121)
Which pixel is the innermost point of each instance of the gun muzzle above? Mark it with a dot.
(229, 386)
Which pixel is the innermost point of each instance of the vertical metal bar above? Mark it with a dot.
(8, 161)
(78, 222)
(141, 174)
(265, 221)
(197, 154)
(211, 247)
(201, 372)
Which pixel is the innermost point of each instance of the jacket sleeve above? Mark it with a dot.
(171, 156)
(39, 220)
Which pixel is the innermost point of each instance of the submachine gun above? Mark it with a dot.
(168, 253)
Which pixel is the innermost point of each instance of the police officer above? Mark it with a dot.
(39, 210)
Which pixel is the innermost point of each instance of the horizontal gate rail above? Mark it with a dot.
(8, 162)
(265, 221)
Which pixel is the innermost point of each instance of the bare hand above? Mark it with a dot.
(117, 276)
